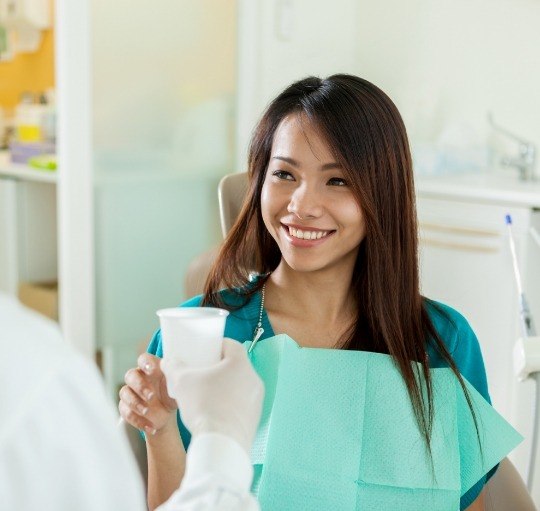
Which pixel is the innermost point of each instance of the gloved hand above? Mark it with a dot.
(221, 398)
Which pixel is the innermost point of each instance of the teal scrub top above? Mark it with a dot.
(452, 327)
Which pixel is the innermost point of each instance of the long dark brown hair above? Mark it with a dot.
(366, 134)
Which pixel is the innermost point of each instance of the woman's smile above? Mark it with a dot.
(305, 237)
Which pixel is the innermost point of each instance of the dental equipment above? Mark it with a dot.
(526, 352)
(525, 162)
(527, 325)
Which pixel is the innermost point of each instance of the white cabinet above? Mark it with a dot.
(8, 237)
(28, 226)
(465, 261)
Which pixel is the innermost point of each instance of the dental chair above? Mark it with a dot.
(231, 192)
(505, 490)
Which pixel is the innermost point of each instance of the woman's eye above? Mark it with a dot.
(337, 181)
(283, 174)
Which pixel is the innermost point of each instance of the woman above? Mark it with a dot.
(329, 228)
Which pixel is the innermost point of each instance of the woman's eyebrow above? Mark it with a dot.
(294, 163)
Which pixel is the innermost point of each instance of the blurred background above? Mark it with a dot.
(118, 119)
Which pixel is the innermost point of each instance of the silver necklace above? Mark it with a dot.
(259, 330)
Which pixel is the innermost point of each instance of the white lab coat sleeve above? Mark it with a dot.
(60, 449)
(218, 477)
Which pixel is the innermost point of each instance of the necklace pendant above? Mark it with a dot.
(258, 334)
(260, 330)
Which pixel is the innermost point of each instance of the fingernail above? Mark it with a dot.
(150, 431)
(148, 394)
(147, 368)
(142, 409)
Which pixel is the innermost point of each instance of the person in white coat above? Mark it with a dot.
(60, 448)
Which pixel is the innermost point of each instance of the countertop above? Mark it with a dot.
(492, 188)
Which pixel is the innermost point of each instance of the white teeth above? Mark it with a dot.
(307, 235)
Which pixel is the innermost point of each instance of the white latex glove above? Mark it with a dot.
(221, 398)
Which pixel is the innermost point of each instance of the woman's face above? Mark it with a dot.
(307, 206)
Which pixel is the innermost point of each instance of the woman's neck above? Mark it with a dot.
(319, 296)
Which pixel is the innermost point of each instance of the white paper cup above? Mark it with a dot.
(193, 334)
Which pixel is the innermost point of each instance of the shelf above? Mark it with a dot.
(21, 172)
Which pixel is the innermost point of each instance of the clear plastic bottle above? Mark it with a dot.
(28, 118)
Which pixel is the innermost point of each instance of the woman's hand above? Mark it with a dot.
(144, 402)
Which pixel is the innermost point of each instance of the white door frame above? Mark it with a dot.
(75, 177)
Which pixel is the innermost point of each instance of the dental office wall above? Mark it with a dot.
(163, 105)
(445, 62)
(280, 41)
(453, 61)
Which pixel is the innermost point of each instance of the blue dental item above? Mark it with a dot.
(528, 330)
(527, 324)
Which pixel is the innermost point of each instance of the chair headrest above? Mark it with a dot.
(232, 190)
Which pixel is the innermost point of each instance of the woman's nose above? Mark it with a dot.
(305, 203)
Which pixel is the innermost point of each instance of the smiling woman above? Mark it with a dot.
(385, 410)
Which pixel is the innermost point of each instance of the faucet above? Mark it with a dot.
(526, 161)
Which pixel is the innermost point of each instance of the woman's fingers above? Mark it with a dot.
(149, 365)
(144, 402)
(136, 420)
(140, 383)
(133, 400)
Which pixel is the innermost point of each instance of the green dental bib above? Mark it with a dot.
(338, 433)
